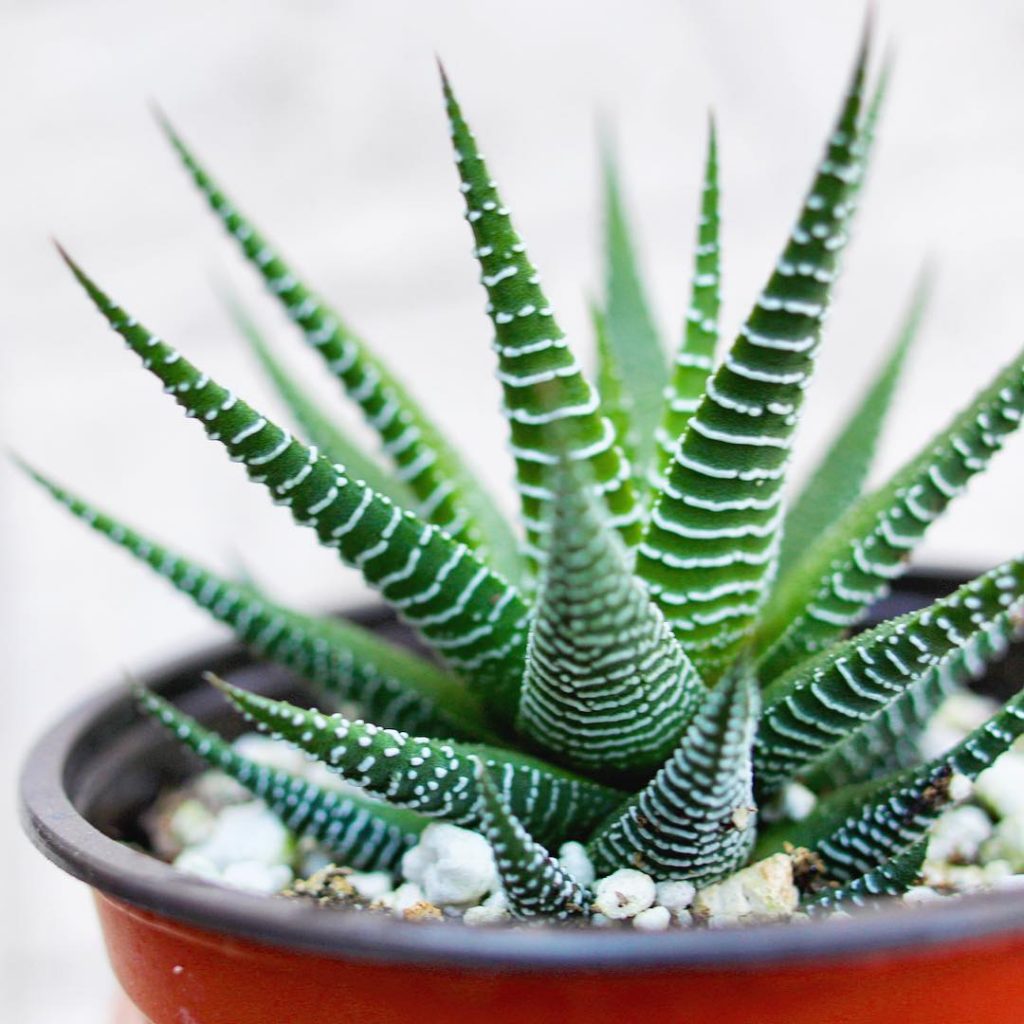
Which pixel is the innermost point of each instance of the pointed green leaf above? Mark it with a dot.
(857, 829)
(711, 545)
(695, 357)
(469, 615)
(607, 689)
(836, 481)
(346, 661)
(367, 835)
(891, 741)
(832, 587)
(542, 382)
(891, 878)
(616, 403)
(695, 818)
(446, 493)
(534, 882)
(317, 427)
(631, 333)
(813, 712)
(435, 778)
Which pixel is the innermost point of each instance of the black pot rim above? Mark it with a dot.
(63, 835)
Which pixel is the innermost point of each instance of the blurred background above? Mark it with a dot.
(323, 118)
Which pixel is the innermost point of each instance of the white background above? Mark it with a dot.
(325, 120)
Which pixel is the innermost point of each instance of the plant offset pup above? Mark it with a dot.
(666, 649)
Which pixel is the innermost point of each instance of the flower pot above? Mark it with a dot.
(188, 952)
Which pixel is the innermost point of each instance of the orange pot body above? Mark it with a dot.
(178, 974)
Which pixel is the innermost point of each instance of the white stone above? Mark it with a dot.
(371, 885)
(921, 894)
(965, 711)
(270, 753)
(484, 915)
(258, 877)
(654, 919)
(191, 823)
(1001, 787)
(405, 896)
(1007, 842)
(675, 896)
(572, 856)
(624, 893)
(763, 891)
(958, 834)
(216, 790)
(247, 832)
(453, 865)
(193, 863)
(497, 899)
(797, 801)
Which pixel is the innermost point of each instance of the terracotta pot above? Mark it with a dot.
(187, 952)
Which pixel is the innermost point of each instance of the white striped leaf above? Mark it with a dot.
(534, 883)
(364, 834)
(695, 357)
(473, 618)
(607, 688)
(816, 709)
(853, 566)
(696, 818)
(347, 662)
(542, 382)
(712, 542)
(446, 493)
(435, 778)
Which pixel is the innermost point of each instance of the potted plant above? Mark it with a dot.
(614, 717)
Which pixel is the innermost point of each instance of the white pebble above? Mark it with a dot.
(191, 823)
(247, 832)
(797, 801)
(371, 885)
(654, 919)
(453, 865)
(257, 877)
(765, 891)
(572, 856)
(958, 834)
(921, 894)
(1001, 787)
(193, 863)
(484, 915)
(1007, 843)
(624, 893)
(271, 753)
(675, 896)
(405, 896)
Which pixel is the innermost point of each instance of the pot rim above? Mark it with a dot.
(68, 839)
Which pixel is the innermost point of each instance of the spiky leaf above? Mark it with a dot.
(367, 835)
(533, 881)
(852, 567)
(433, 777)
(317, 426)
(446, 493)
(892, 878)
(856, 830)
(695, 357)
(631, 333)
(836, 481)
(468, 614)
(542, 382)
(348, 662)
(811, 713)
(695, 818)
(607, 688)
(711, 545)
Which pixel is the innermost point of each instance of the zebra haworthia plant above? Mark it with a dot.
(666, 649)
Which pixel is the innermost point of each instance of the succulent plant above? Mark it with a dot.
(665, 648)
